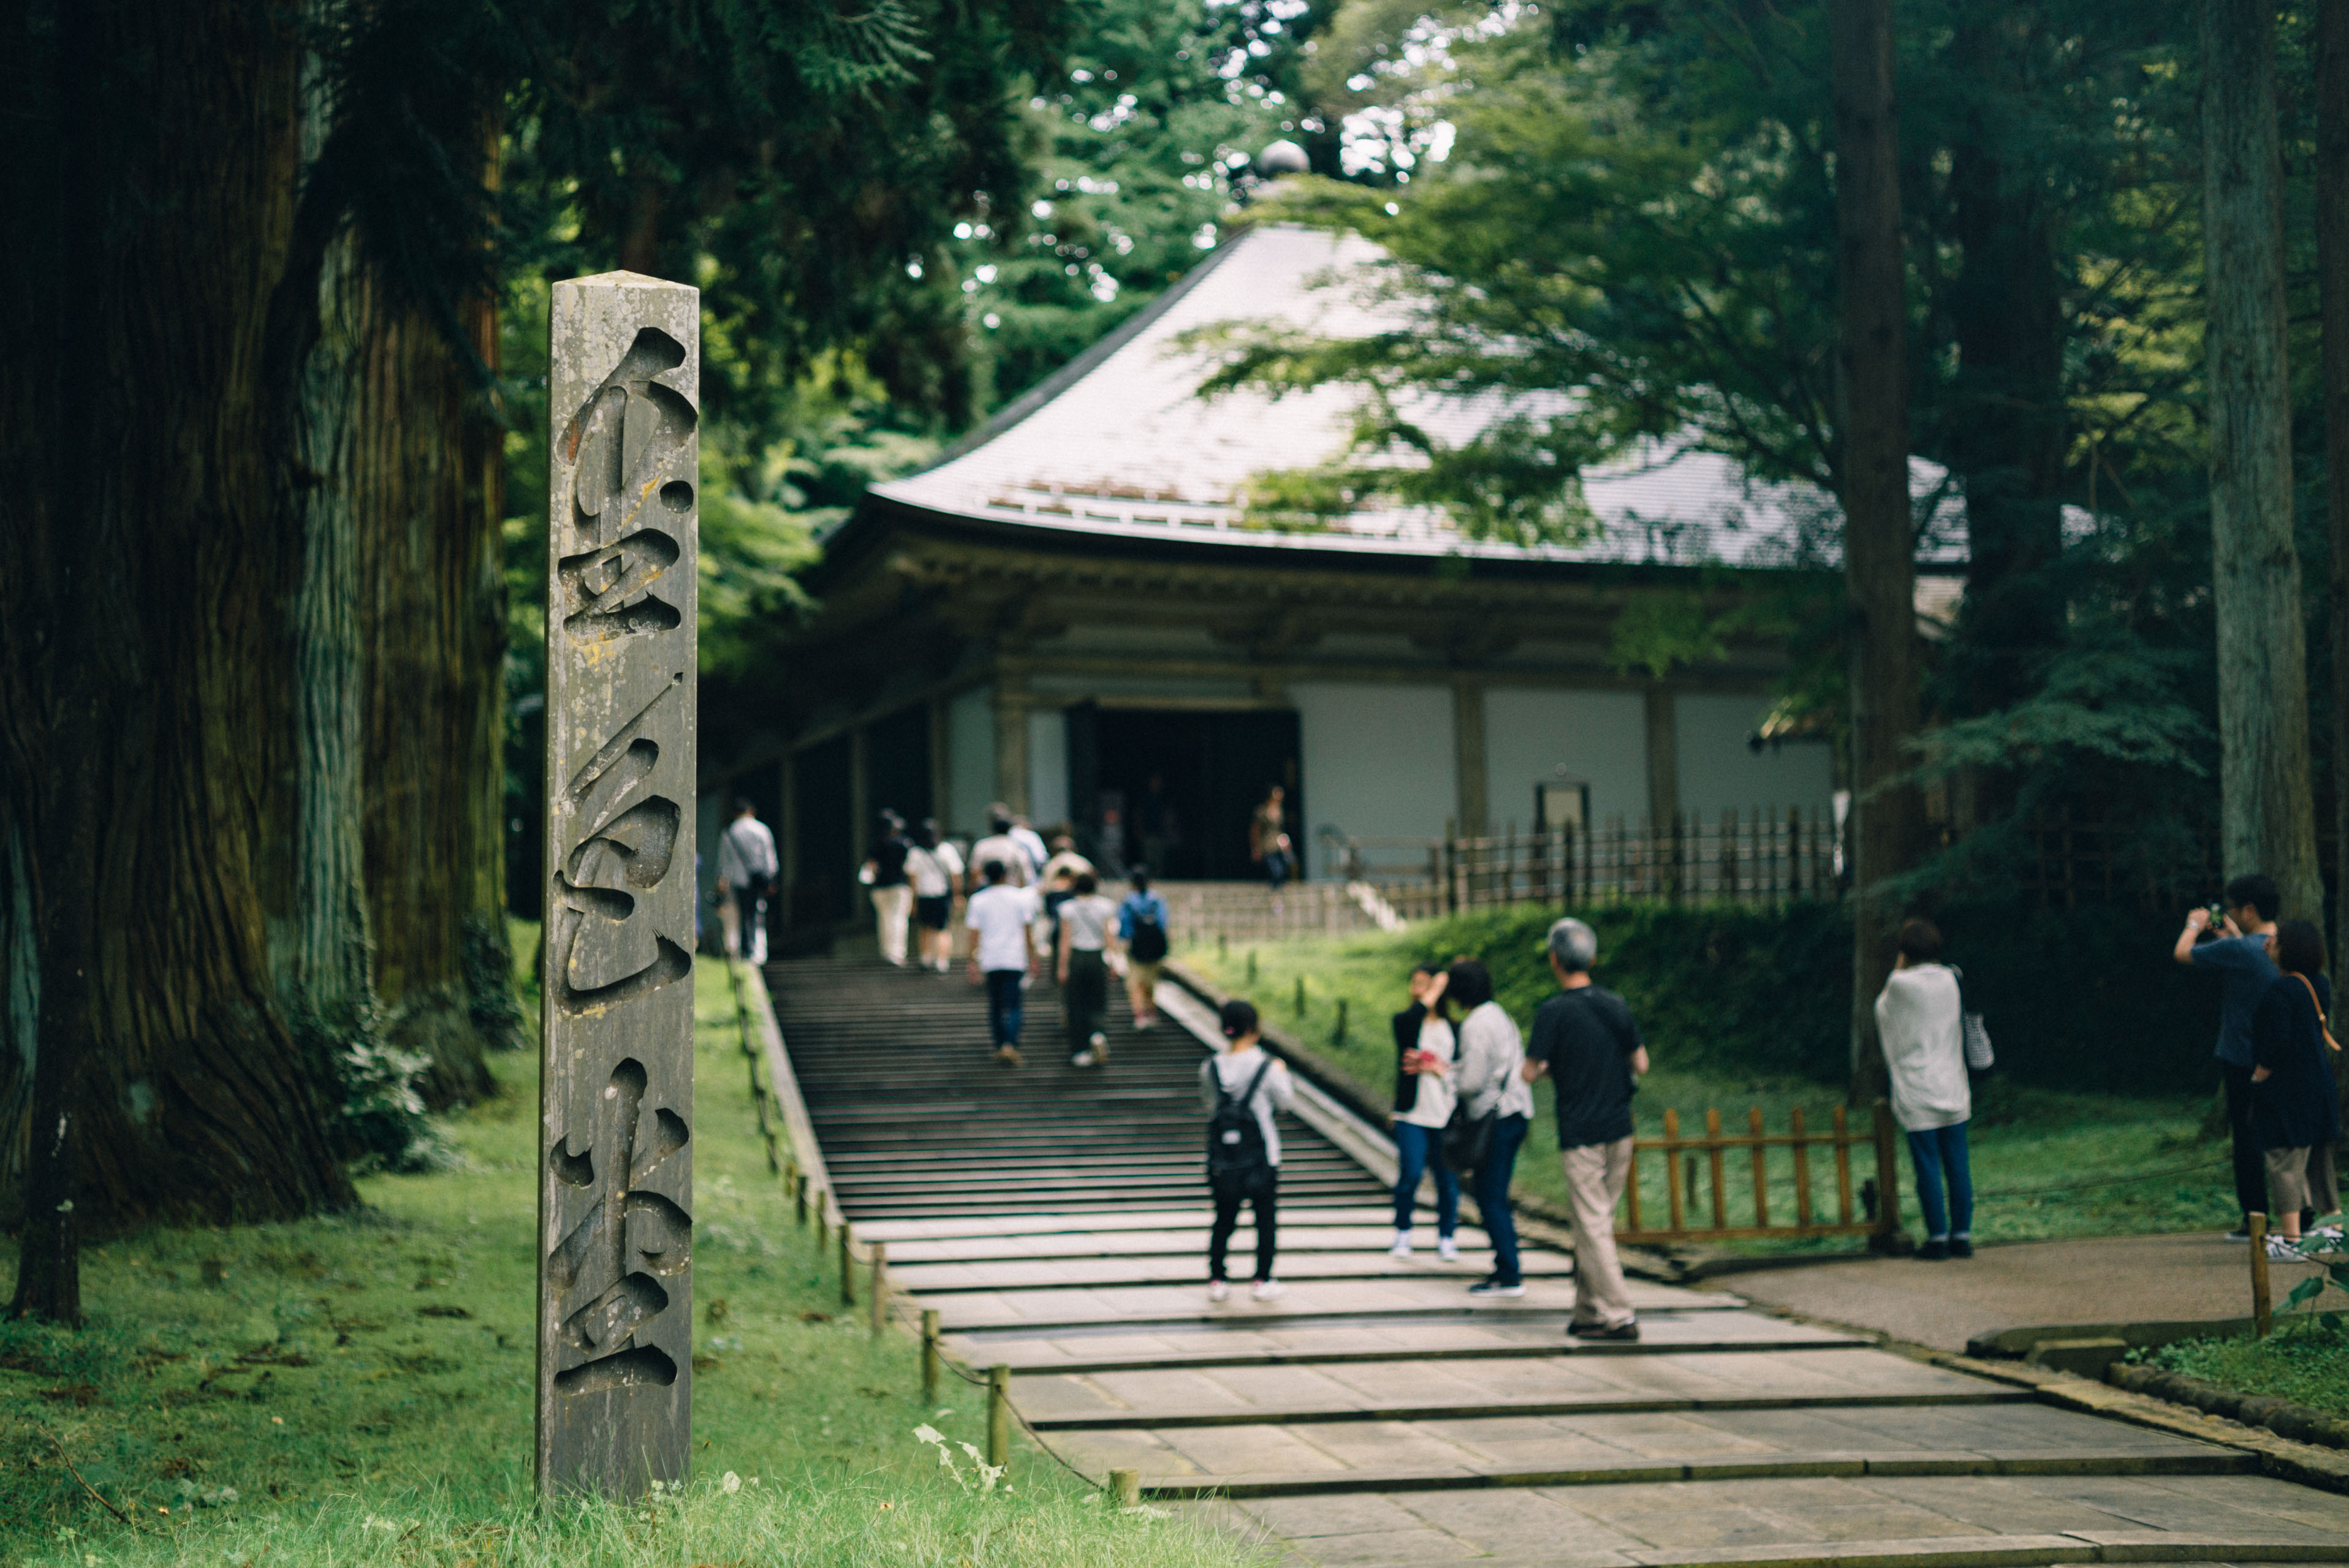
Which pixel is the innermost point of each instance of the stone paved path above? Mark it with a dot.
(1375, 1415)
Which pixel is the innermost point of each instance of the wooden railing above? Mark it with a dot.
(1713, 1162)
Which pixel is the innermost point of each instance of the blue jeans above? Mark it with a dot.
(1276, 867)
(1941, 1152)
(1492, 1191)
(1003, 1005)
(1417, 1149)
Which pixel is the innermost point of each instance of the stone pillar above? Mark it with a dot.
(1663, 758)
(1468, 746)
(1011, 742)
(616, 1097)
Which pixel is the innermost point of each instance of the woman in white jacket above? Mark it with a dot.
(1490, 1082)
(1918, 1016)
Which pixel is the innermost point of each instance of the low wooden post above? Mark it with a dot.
(1801, 1172)
(847, 1266)
(800, 1187)
(2262, 1300)
(879, 1296)
(1301, 995)
(929, 1356)
(998, 1414)
(1713, 1159)
(1338, 1031)
(823, 1225)
(1673, 1170)
(1887, 1171)
(1843, 1166)
(1125, 1488)
(1761, 1169)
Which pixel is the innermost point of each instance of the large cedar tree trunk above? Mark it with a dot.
(1879, 551)
(427, 484)
(2005, 407)
(2333, 290)
(2267, 813)
(145, 603)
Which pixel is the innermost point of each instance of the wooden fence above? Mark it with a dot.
(1716, 1164)
(1762, 857)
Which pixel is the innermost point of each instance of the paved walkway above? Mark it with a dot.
(2108, 1280)
(1375, 1415)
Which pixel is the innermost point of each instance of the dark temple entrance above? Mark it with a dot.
(1211, 770)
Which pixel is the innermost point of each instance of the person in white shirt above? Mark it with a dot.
(747, 868)
(1004, 918)
(999, 845)
(1088, 934)
(935, 871)
(1031, 844)
(1425, 1047)
(1243, 1168)
(1920, 1019)
(1490, 1082)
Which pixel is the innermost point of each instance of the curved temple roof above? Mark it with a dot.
(1119, 442)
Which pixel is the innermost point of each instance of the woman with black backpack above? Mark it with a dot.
(1242, 1087)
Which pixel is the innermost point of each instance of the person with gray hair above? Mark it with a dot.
(1586, 1043)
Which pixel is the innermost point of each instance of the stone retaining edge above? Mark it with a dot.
(2300, 1423)
(2308, 1464)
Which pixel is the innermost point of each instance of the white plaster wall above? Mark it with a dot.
(1048, 767)
(970, 761)
(1598, 735)
(1719, 772)
(1378, 761)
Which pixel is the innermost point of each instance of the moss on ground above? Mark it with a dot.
(358, 1387)
(2047, 1164)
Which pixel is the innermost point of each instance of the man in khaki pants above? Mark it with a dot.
(1585, 1041)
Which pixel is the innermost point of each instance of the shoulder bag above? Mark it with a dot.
(1979, 1057)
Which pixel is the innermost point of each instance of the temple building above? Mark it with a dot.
(1075, 612)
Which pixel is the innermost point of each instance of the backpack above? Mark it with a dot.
(1149, 944)
(1235, 1151)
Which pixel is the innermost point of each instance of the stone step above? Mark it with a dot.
(929, 1280)
(1187, 1242)
(1448, 1390)
(1160, 1306)
(1955, 1521)
(1349, 1341)
(1126, 1221)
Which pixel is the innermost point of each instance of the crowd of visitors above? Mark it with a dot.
(1464, 1077)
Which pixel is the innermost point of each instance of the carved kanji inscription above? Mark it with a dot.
(616, 1188)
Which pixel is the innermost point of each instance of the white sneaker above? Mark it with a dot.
(1447, 1249)
(1218, 1291)
(1083, 1059)
(1269, 1290)
(1401, 1248)
(2278, 1247)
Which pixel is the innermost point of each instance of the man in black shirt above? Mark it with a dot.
(1585, 1041)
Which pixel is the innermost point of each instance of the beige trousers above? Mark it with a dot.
(893, 906)
(1594, 1174)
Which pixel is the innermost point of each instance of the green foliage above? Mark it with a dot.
(358, 1387)
(2306, 1360)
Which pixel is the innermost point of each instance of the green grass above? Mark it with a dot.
(361, 1385)
(2306, 1360)
(2037, 1154)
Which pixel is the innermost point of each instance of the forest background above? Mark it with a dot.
(272, 405)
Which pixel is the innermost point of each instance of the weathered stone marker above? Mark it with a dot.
(616, 1097)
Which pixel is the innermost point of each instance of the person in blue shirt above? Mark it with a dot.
(2237, 949)
(1142, 928)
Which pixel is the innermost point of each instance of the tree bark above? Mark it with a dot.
(144, 605)
(427, 480)
(2267, 813)
(2333, 292)
(1880, 549)
(2005, 407)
